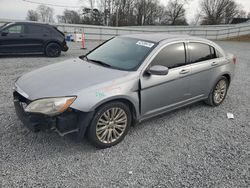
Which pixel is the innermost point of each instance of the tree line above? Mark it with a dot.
(141, 12)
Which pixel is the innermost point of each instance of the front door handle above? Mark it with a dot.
(184, 71)
(214, 64)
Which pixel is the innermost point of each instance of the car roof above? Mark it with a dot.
(158, 37)
(31, 23)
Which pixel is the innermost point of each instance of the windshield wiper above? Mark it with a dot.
(83, 56)
(95, 61)
(99, 62)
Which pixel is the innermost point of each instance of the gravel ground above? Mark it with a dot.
(196, 146)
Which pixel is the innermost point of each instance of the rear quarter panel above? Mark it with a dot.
(204, 76)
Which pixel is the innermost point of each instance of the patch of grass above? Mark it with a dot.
(243, 38)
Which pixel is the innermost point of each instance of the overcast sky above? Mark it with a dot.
(17, 9)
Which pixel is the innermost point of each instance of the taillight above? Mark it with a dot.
(234, 60)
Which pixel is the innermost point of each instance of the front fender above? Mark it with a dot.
(88, 100)
(134, 102)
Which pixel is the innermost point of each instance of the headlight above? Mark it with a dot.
(50, 106)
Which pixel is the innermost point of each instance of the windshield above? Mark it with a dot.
(122, 53)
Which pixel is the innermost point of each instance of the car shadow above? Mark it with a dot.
(69, 142)
(178, 111)
(21, 55)
(28, 56)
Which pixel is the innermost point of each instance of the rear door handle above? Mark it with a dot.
(184, 71)
(214, 64)
(21, 36)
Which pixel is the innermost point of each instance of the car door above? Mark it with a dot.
(203, 60)
(161, 93)
(12, 39)
(37, 37)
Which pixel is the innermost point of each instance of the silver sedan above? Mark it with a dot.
(123, 81)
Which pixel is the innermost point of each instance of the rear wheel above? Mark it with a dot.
(219, 92)
(109, 125)
(53, 50)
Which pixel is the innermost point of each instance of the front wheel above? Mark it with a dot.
(109, 125)
(53, 50)
(219, 92)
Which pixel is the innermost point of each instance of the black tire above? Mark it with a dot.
(53, 50)
(211, 98)
(92, 129)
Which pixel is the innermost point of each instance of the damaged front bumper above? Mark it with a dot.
(68, 122)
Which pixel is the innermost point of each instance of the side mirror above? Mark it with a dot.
(4, 33)
(158, 70)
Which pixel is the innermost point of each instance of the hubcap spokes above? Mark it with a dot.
(220, 91)
(111, 125)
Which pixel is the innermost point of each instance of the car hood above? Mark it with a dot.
(64, 79)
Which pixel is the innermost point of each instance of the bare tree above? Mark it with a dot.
(124, 12)
(175, 12)
(145, 11)
(70, 16)
(242, 14)
(32, 15)
(231, 11)
(218, 11)
(133, 12)
(45, 13)
(89, 3)
(92, 3)
(103, 7)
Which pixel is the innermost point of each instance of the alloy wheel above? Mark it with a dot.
(111, 125)
(53, 51)
(220, 91)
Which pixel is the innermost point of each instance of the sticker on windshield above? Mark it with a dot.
(144, 43)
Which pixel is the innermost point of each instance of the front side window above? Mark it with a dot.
(122, 53)
(200, 52)
(15, 29)
(171, 56)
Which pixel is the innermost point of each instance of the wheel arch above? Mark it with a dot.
(125, 100)
(227, 75)
(52, 41)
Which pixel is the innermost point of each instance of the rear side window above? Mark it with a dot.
(200, 52)
(218, 54)
(37, 29)
(212, 51)
(171, 56)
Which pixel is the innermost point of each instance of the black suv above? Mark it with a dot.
(30, 38)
